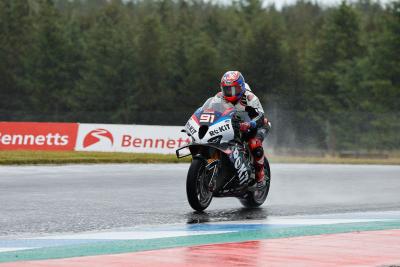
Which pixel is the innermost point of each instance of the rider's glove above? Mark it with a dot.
(246, 126)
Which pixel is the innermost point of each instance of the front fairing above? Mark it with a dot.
(212, 123)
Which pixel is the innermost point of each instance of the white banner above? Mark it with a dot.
(130, 138)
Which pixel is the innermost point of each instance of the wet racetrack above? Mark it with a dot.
(76, 198)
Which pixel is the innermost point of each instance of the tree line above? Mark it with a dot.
(328, 78)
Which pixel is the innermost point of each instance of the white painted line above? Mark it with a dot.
(14, 249)
(131, 235)
(296, 221)
(184, 230)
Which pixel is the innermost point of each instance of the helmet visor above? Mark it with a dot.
(231, 90)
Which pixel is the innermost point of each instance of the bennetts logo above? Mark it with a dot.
(51, 139)
(101, 136)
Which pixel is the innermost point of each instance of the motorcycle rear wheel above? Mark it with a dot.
(198, 194)
(258, 197)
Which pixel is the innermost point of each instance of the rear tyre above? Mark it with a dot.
(197, 189)
(258, 197)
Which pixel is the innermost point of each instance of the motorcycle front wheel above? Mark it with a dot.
(197, 185)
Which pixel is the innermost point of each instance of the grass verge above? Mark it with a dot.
(58, 157)
(64, 157)
(392, 160)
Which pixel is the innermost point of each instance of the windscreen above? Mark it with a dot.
(217, 104)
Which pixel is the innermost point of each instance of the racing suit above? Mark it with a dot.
(255, 131)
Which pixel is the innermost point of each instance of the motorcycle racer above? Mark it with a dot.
(235, 90)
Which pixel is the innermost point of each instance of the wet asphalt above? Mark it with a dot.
(75, 198)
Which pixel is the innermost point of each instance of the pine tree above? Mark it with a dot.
(204, 71)
(337, 45)
(264, 57)
(150, 73)
(15, 45)
(107, 90)
(47, 73)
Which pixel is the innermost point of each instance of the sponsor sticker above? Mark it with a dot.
(240, 166)
(190, 128)
(220, 129)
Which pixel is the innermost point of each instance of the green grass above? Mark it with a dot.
(62, 157)
(391, 160)
(58, 157)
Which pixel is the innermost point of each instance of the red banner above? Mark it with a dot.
(38, 136)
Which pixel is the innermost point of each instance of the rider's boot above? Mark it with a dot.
(257, 150)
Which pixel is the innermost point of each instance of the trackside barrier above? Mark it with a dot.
(130, 138)
(38, 136)
(91, 137)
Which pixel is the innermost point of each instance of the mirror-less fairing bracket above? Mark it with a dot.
(186, 132)
(179, 151)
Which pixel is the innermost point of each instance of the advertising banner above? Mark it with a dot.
(130, 138)
(37, 136)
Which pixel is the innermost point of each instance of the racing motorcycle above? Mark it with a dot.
(222, 165)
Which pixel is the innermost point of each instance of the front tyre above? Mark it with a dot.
(197, 185)
(258, 197)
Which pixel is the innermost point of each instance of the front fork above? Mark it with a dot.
(212, 167)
